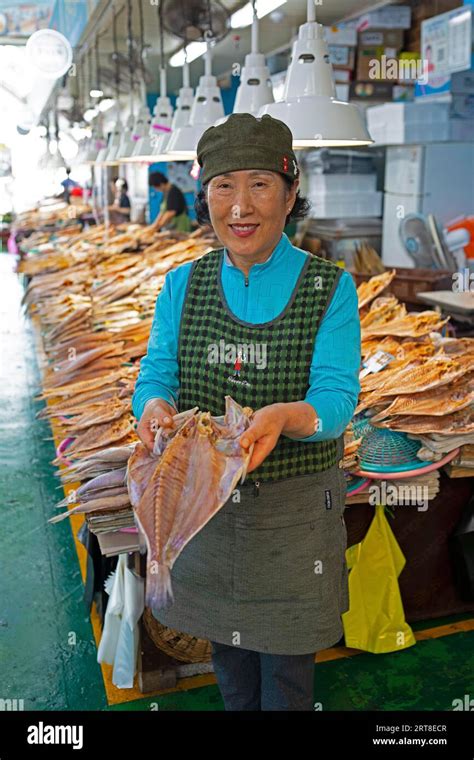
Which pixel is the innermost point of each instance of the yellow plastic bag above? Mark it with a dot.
(375, 621)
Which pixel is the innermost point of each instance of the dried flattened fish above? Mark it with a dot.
(198, 468)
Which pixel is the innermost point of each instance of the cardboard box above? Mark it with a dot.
(393, 38)
(342, 76)
(366, 56)
(388, 17)
(341, 35)
(342, 56)
(410, 67)
(372, 90)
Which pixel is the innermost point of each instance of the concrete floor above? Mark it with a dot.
(47, 647)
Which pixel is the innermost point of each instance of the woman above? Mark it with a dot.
(173, 214)
(119, 211)
(265, 580)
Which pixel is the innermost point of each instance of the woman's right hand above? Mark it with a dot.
(157, 413)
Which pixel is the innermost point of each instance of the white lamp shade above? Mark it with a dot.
(255, 88)
(140, 135)
(114, 143)
(96, 143)
(126, 143)
(309, 106)
(206, 110)
(184, 104)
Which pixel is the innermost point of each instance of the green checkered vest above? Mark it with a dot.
(259, 364)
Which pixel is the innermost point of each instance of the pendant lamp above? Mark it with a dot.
(309, 106)
(206, 109)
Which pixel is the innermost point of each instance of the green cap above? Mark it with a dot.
(244, 141)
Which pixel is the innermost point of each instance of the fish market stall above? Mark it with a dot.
(412, 425)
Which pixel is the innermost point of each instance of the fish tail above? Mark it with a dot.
(159, 593)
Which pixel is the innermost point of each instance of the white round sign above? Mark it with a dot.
(49, 53)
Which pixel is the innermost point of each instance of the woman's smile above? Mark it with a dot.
(243, 230)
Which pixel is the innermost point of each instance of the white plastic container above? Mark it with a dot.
(342, 183)
(399, 123)
(327, 205)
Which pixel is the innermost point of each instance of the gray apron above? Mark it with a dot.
(268, 572)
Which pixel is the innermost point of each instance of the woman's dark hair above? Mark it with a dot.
(299, 210)
(123, 185)
(155, 179)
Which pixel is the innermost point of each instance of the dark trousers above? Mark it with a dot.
(257, 681)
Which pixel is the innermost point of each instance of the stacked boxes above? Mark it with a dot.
(333, 196)
(381, 37)
(342, 45)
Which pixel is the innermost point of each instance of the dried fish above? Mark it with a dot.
(369, 290)
(176, 493)
(436, 402)
(461, 422)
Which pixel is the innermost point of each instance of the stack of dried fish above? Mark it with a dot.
(366, 260)
(93, 296)
(428, 386)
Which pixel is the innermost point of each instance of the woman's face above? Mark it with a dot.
(248, 209)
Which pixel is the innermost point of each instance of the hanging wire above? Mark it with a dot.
(97, 67)
(142, 46)
(130, 45)
(142, 30)
(162, 37)
(90, 71)
(116, 54)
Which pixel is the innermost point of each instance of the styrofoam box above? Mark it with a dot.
(398, 123)
(342, 183)
(335, 205)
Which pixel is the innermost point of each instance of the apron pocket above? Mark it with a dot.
(294, 563)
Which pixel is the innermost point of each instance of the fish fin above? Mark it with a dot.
(159, 593)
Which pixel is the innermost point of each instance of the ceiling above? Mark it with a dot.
(274, 34)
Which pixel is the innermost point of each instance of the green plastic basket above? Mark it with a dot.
(383, 450)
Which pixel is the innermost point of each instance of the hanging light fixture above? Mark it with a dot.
(142, 134)
(182, 114)
(207, 108)
(151, 146)
(110, 157)
(255, 88)
(141, 125)
(103, 147)
(96, 141)
(164, 108)
(309, 106)
(162, 127)
(127, 144)
(55, 160)
(46, 155)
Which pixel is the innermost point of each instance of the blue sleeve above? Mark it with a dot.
(159, 369)
(334, 375)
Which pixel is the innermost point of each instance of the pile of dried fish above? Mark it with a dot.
(93, 298)
(428, 385)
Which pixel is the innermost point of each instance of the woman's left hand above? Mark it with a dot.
(264, 432)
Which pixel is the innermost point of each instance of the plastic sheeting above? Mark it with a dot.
(119, 643)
